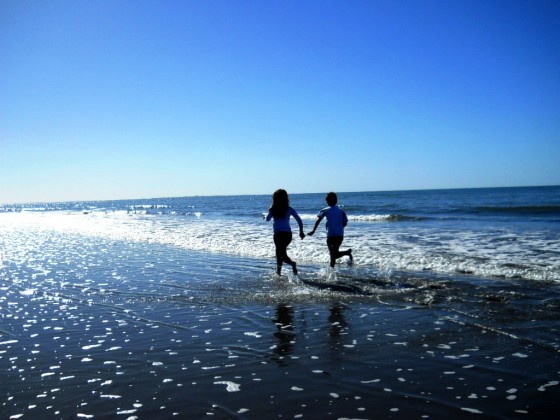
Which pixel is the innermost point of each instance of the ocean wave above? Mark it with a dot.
(373, 218)
(531, 256)
(384, 218)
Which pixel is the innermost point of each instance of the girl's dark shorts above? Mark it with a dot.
(282, 239)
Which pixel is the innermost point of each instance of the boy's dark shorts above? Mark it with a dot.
(334, 242)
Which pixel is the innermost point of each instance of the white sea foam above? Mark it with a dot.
(230, 386)
(413, 248)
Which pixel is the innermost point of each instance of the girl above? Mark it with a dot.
(281, 211)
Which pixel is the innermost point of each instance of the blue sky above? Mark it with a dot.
(136, 99)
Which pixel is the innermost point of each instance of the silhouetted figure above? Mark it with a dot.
(281, 212)
(336, 222)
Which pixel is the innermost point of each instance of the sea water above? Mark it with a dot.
(170, 307)
(501, 232)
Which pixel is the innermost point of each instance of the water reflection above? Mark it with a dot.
(285, 334)
(338, 330)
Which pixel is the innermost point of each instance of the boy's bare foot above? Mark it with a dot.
(294, 268)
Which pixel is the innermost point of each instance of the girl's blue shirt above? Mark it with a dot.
(282, 224)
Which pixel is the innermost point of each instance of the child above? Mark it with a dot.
(281, 212)
(336, 222)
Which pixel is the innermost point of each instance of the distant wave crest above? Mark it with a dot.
(371, 217)
(383, 218)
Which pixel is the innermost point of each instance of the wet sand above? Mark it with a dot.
(150, 331)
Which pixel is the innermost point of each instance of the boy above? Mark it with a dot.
(336, 222)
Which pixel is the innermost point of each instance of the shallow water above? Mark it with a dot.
(93, 325)
(496, 232)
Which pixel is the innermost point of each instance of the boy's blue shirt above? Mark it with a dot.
(336, 220)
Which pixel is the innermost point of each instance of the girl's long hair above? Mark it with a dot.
(280, 203)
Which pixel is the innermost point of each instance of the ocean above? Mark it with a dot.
(170, 307)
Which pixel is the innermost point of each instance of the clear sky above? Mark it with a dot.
(110, 99)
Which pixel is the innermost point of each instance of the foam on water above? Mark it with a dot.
(532, 255)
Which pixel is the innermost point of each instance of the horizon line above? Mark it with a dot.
(266, 194)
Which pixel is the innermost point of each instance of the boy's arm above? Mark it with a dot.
(316, 226)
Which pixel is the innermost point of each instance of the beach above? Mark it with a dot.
(98, 321)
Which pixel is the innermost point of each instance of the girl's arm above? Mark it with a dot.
(299, 222)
